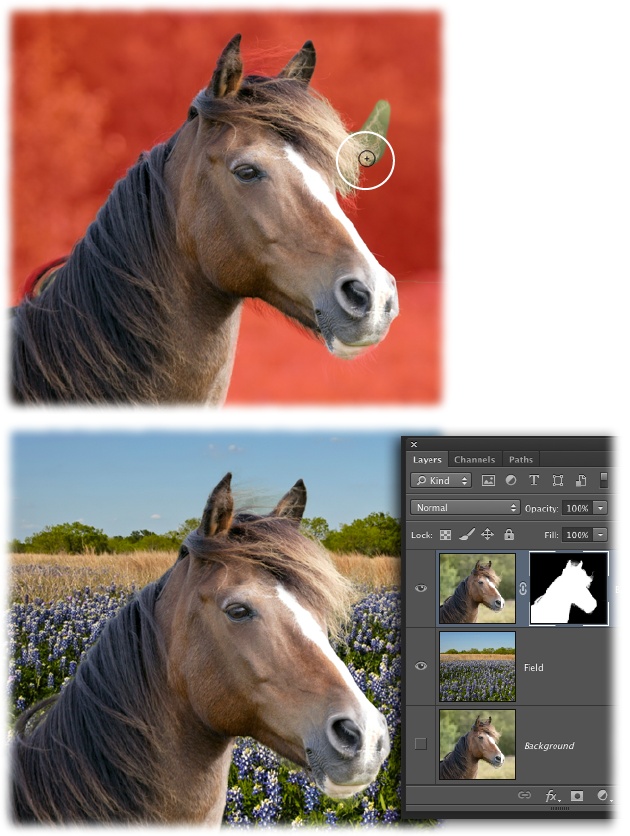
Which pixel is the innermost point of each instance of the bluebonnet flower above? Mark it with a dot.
(265, 813)
(331, 818)
(312, 798)
(370, 814)
(478, 681)
(264, 789)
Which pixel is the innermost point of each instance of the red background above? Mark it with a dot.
(92, 90)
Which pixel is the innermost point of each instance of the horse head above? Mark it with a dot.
(577, 582)
(483, 587)
(254, 174)
(482, 742)
(245, 613)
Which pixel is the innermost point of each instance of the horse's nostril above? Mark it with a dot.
(346, 736)
(354, 297)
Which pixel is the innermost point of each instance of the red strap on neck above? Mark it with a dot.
(35, 281)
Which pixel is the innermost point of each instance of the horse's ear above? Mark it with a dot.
(293, 503)
(302, 66)
(580, 564)
(228, 72)
(489, 721)
(217, 515)
(490, 565)
(477, 566)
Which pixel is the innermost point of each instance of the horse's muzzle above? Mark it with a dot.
(344, 758)
(356, 313)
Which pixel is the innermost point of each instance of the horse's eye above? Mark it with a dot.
(238, 612)
(247, 173)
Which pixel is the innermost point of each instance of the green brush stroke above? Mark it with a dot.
(377, 121)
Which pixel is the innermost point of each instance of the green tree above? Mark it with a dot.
(74, 538)
(138, 535)
(182, 531)
(378, 533)
(157, 543)
(315, 527)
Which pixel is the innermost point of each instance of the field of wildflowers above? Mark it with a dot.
(47, 641)
(480, 680)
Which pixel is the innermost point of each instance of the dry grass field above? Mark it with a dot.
(505, 773)
(477, 657)
(505, 616)
(52, 576)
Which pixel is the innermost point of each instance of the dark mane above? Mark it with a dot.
(277, 545)
(110, 301)
(105, 716)
(455, 763)
(296, 113)
(456, 607)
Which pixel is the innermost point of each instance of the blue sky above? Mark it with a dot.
(122, 481)
(464, 641)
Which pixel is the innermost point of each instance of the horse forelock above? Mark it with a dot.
(488, 728)
(276, 545)
(487, 572)
(294, 112)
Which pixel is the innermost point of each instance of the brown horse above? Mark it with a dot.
(480, 587)
(480, 743)
(240, 202)
(230, 641)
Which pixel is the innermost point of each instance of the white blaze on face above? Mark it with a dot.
(499, 752)
(370, 720)
(383, 286)
(492, 586)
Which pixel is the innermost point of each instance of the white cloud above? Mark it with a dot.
(156, 516)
